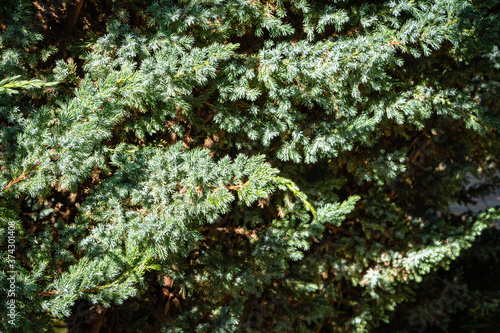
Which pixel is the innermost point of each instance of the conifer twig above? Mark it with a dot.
(97, 288)
(21, 177)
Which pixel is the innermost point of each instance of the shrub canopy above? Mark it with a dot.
(246, 165)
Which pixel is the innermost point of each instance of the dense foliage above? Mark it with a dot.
(246, 165)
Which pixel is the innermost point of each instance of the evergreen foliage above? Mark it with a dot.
(220, 166)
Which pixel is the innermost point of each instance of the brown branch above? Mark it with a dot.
(47, 293)
(70, 24)
(233, 187)
(392, 43)
(237, 187)
(21, 177)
